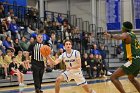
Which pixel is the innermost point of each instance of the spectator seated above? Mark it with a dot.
(13, 27)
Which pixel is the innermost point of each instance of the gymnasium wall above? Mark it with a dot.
(79, 7)
(82, 8)
(32, 3)
(57, 6)
(126, 12)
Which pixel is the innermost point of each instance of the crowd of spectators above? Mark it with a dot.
(14, 45)
(95, 62)
(14, 58)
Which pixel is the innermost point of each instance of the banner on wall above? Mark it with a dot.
(18, 2)
(113, 14)
(137, 13)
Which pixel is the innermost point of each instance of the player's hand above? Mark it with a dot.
(107, 35)
(50, 64)
(68, 68)
(49, 61)
(49, 58)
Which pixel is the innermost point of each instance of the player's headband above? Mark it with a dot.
(124, 28)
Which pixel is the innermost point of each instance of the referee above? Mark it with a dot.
(37, 63)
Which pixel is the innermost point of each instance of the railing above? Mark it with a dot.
(84, 26)
(72, 21)
(22, 13)
(52, 16)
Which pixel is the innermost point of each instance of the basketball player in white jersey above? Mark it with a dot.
(72, 60)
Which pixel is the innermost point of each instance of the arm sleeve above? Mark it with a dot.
(78, 54)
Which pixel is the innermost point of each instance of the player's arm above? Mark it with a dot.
(122, 36)
(53, 62)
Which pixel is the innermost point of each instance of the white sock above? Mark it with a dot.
(93, 91)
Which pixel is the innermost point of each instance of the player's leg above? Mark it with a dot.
(114, 78)
(134, 82)
(57, 83)
(80, 80)
(87, 89)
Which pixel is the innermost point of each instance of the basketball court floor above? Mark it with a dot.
(102, 85)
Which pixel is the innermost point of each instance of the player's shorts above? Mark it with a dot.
(77, 76)
(132, 68)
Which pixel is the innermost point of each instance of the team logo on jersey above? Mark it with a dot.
(70, 60)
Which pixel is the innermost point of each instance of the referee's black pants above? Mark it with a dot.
(38, 71)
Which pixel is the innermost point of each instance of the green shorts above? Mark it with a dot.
(133, 69)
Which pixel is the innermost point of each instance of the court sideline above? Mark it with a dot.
(101, 85)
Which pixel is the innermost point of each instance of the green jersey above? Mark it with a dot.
(132, 53)
(132, 49)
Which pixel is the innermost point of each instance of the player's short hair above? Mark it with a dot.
(67, 40)
(127, 26)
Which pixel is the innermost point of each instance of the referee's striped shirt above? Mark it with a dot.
(34, 50)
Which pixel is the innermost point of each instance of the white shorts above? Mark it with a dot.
(77, 76)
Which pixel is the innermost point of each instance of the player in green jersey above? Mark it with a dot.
(131, 48)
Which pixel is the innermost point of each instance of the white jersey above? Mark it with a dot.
(70, 59)
(76, 74)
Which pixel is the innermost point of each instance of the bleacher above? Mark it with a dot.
(28, 79)
(113, 59)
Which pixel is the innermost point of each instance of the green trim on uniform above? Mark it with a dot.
(133, 69)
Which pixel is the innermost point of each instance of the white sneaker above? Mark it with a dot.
(109, 73)
(22, 85)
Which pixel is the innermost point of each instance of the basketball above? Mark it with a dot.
(45, 50)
